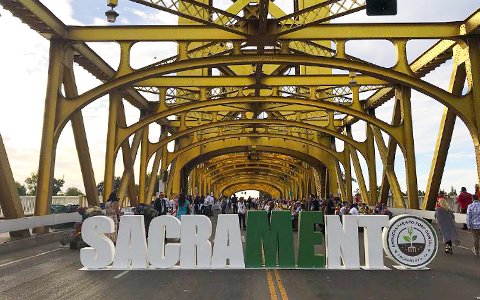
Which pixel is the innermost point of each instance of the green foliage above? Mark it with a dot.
(73, 191)
(116, 185)
(22, 190)
(31, 183)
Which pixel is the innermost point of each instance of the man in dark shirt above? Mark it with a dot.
(234, 204)
(160, 205)
(315, 204)
(330, 206)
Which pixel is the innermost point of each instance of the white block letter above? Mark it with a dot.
(196, 249)
(131, 249)
(228, 243)
(373, 240)
(342, 242)
(160, 255)
(101, 251)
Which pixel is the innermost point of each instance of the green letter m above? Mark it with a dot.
(276, 238)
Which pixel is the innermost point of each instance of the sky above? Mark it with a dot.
(24, 68)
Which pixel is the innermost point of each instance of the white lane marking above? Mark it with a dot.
(121, 274)
(19, 260)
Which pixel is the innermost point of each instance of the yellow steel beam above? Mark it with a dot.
(472, 23)
(390, 161)
(37, 16)
(358, 171)
(80, 137)
(110, 153)
(142, 184)
(388, 170)
(445, 133)
(129, 154)
(9, 198)
(49, 141)
(455, 102)
(242, 81)
(474, 55)
(377, 31)
(151, 33)
(404, 94)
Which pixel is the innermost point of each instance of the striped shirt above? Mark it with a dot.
(473, 215)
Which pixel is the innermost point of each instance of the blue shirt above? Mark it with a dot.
(473, 215)
(182, 210)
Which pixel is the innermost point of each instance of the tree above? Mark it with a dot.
(57, 186)
(73, 191)
(22, 190)
(116, 185)
(32, 184)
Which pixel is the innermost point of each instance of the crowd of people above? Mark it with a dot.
(466, 204)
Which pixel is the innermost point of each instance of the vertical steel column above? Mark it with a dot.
(348, 174)
(110, 154)
(49, 140)
(410, 166)
(474, 54)
(143, 166)
(372, 170)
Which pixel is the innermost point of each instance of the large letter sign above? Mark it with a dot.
(228, 243)
(101, 251)
(276, 238)
(196, 249)
(131, 244)
(160, 254)
(308, 238)
(408, 240)
(342, 242)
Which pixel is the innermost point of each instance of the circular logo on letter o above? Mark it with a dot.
(410, 241)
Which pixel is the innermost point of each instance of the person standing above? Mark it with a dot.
(354, 209)
(314, 204)
(183, 207)
(241, 213)
(464, 199)
(446, 223)
(223, 204)
(473, 222)
(160, 205)
(234, 204)
(112, 210)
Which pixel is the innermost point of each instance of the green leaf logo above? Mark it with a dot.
(414, 237)
(406, 238)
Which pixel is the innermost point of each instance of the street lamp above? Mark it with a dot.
(111, 14)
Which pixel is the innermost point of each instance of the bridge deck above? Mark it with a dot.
(51, 272)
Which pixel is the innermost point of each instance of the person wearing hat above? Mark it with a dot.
(112, 210)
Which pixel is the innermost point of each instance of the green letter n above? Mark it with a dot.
(275, 239)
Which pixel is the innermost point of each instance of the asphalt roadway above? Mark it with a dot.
(52, 272)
